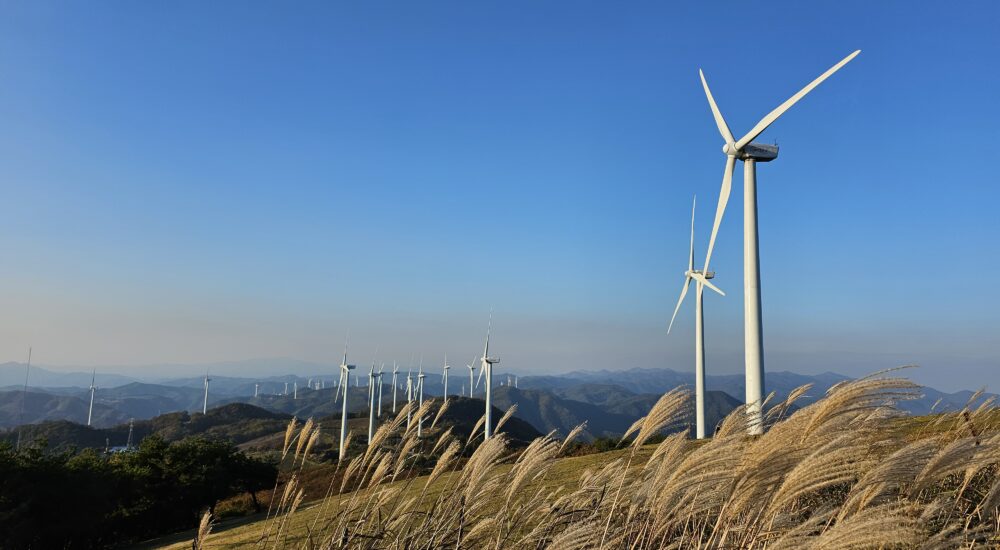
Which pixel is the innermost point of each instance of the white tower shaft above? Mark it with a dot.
(699, 362)
(753, 335)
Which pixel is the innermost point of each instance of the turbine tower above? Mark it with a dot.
(256, 390)
(381, 368)
(93, 389)
(420, 395)
(409, 398)
(701, 280)
(395, 371)
(487, 368)
(295, 389)
(444, 377)
(751, 153)
(371, 403)
(472, 370)
(204, 406)
(345, 375)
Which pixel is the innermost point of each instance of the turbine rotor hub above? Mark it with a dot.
(730, 150)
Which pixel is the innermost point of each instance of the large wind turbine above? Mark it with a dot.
(204, 406)
(93, 389)
(701, 280)
(487, 368)
(751, 153)
(345, 374)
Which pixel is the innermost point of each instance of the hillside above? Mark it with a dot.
(43, 407)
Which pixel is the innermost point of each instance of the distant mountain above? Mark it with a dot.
(41, 407)
(658, 381)
(12, 375)
(236, 422)
(608, 410)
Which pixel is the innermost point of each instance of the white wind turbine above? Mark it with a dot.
(379, 375)
(93, 389)
(487, 368)
(444, 377)
(395, 371)
(701, 280)
(420, 395)
(472, 370)
(204, 406)
(409, 398)
(295, 390)
(256, 390)
(752, 153)
(345, 374)
(371, 403)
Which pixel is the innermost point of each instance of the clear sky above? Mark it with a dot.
(189, 182)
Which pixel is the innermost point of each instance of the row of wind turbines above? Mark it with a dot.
(414, 391)
(750, 153)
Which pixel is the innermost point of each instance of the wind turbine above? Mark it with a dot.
(751, 153)
(93, 389)
(380, 369)
(420, 395)
(371, 403)
(395, 371)
(204, 406)
(409, 397)
(256, 390)
(701, 280)
(444, 377)
(345, 374)
(487, 368)
(295, 390)
(472, 370)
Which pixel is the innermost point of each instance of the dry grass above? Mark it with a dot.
(840, 473)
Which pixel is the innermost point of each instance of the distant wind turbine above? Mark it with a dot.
(487, 368)
(701, 280)
(472, 370)
(204, 406)
(93, 390)
(409, 398)
(444, 377)
(345, 374)
(256, 390)
(381, 368)
(420, 394)
(371, 403)
(395, 371)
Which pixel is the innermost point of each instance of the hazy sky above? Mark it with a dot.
(191, 182)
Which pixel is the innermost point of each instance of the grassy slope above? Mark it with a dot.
(240, 532)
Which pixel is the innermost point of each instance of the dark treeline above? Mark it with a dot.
(88, 499)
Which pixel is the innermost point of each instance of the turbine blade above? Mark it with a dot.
(719, 121)
(773, 115)
(691, 252)
(701, 279)
(727, 187)
(480, 378)
(684, 291)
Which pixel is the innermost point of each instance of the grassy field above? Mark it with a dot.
(243, 532)
(848, 471)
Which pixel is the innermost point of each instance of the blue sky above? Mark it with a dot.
(193, 182)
